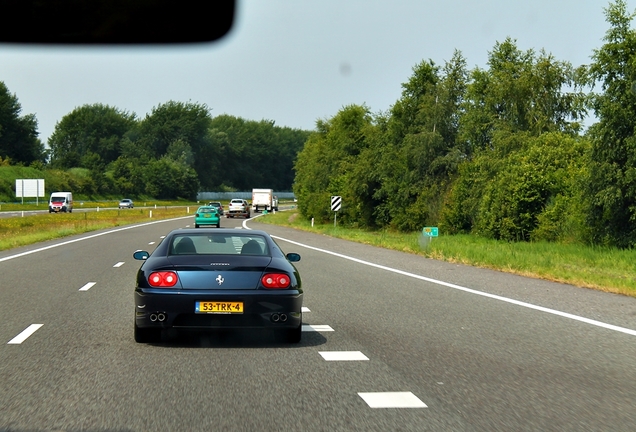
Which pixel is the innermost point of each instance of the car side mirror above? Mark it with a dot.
(292, 257)
(141, 255)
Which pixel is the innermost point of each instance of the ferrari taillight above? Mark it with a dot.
(275, 281)
(163, 279)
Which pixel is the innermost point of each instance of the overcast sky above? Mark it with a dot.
(295, 61)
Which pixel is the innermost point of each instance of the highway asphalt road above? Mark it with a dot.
(392, 342)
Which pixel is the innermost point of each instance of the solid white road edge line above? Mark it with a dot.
(25, 334)
(88, 238)
(472, 291)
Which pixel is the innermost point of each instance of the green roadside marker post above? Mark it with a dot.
(427, 235)
(430, 231)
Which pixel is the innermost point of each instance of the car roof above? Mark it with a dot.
(233, 231)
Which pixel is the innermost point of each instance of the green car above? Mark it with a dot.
(207, 215)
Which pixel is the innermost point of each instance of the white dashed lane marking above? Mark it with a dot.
(88, 286)
(151, 243)
(25, 334)
(305, 309)
(316, 328)
(392, 400)
(343, 355)
(119, 264)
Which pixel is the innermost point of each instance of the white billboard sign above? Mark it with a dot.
(29, 188)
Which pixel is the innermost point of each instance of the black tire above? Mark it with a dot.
(147, 335)
(196, 226)
(294, 335)
(218, 225)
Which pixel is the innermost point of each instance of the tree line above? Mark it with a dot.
(174, 152)
(499, 152)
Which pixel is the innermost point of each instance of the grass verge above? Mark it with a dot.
(22, 231)
(605, 269)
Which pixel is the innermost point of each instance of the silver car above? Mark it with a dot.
(126, 203)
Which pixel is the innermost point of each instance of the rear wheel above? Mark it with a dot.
(147, 335)
(196, 225)
(218, 225)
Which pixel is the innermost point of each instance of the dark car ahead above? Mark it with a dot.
(218, 205)
(221, 279)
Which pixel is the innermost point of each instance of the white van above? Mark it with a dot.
(61, 202)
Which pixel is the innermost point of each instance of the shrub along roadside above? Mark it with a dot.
(600, 268)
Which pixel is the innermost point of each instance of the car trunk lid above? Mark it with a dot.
(220, 272)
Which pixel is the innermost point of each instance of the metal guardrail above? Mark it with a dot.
(211, 196)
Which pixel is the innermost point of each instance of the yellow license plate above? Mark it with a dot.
(213, 307)
(208, 215)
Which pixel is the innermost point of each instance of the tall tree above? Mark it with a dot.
(90, 136)
(245, 154)
(177, 125)
(329, 165)
(421, 152)
(520, 97)
(612, 183)
(18, 134)
(520, 92)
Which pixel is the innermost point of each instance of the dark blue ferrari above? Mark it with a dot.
(224, 279)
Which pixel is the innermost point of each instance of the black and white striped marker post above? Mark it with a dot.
(336, 204)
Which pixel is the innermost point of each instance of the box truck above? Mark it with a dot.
(263, 199)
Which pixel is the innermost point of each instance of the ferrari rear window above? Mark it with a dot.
(218, 244)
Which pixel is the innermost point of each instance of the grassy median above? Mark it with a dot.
(605, 269)
(22, 231)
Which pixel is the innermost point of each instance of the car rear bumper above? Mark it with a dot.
(207, 221)
(238, 213)
(260, 310)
